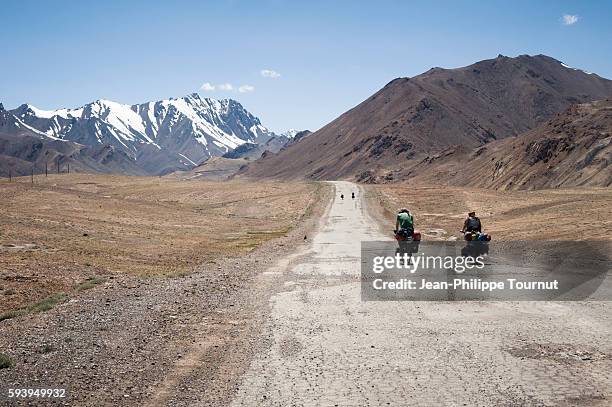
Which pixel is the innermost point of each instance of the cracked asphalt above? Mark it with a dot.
(324, 346)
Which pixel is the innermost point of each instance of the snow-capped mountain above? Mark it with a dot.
(163, 136)
(290, 133)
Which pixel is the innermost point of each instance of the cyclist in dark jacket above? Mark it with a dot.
(471, 224)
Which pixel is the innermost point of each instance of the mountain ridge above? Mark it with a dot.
(161, 137)
(411, 117)
(24, 150)
(572, 149)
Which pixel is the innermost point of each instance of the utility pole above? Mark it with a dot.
(10, 176)
(58, 165)
(46, 172)
(68, 168)
(32, 175)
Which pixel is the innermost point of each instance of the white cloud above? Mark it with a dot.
(246, 88)
(225, 87)
(269, 73)
(207, 87)
(222, 87)
(569, 19)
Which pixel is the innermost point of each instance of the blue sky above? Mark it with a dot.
(330, 55)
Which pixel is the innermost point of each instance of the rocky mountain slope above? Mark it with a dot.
(411, 118)
(253, 151)
(226, 166)
(23, 150)
(572, 149)
(159, 137)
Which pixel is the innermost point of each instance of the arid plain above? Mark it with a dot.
(68, 232)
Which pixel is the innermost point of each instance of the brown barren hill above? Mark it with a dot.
(410, 117)
(572, 149)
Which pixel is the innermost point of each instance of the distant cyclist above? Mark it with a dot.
(342, 196)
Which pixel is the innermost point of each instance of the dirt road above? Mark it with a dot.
(285, 325)
(327, 347)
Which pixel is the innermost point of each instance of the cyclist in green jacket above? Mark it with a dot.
(405, 222)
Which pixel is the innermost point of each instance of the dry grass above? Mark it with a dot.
(5, 361)
(65, 229)
(41, 306)
(90, 282)
(560, 214)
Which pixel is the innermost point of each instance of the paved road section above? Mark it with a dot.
(327, 347)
